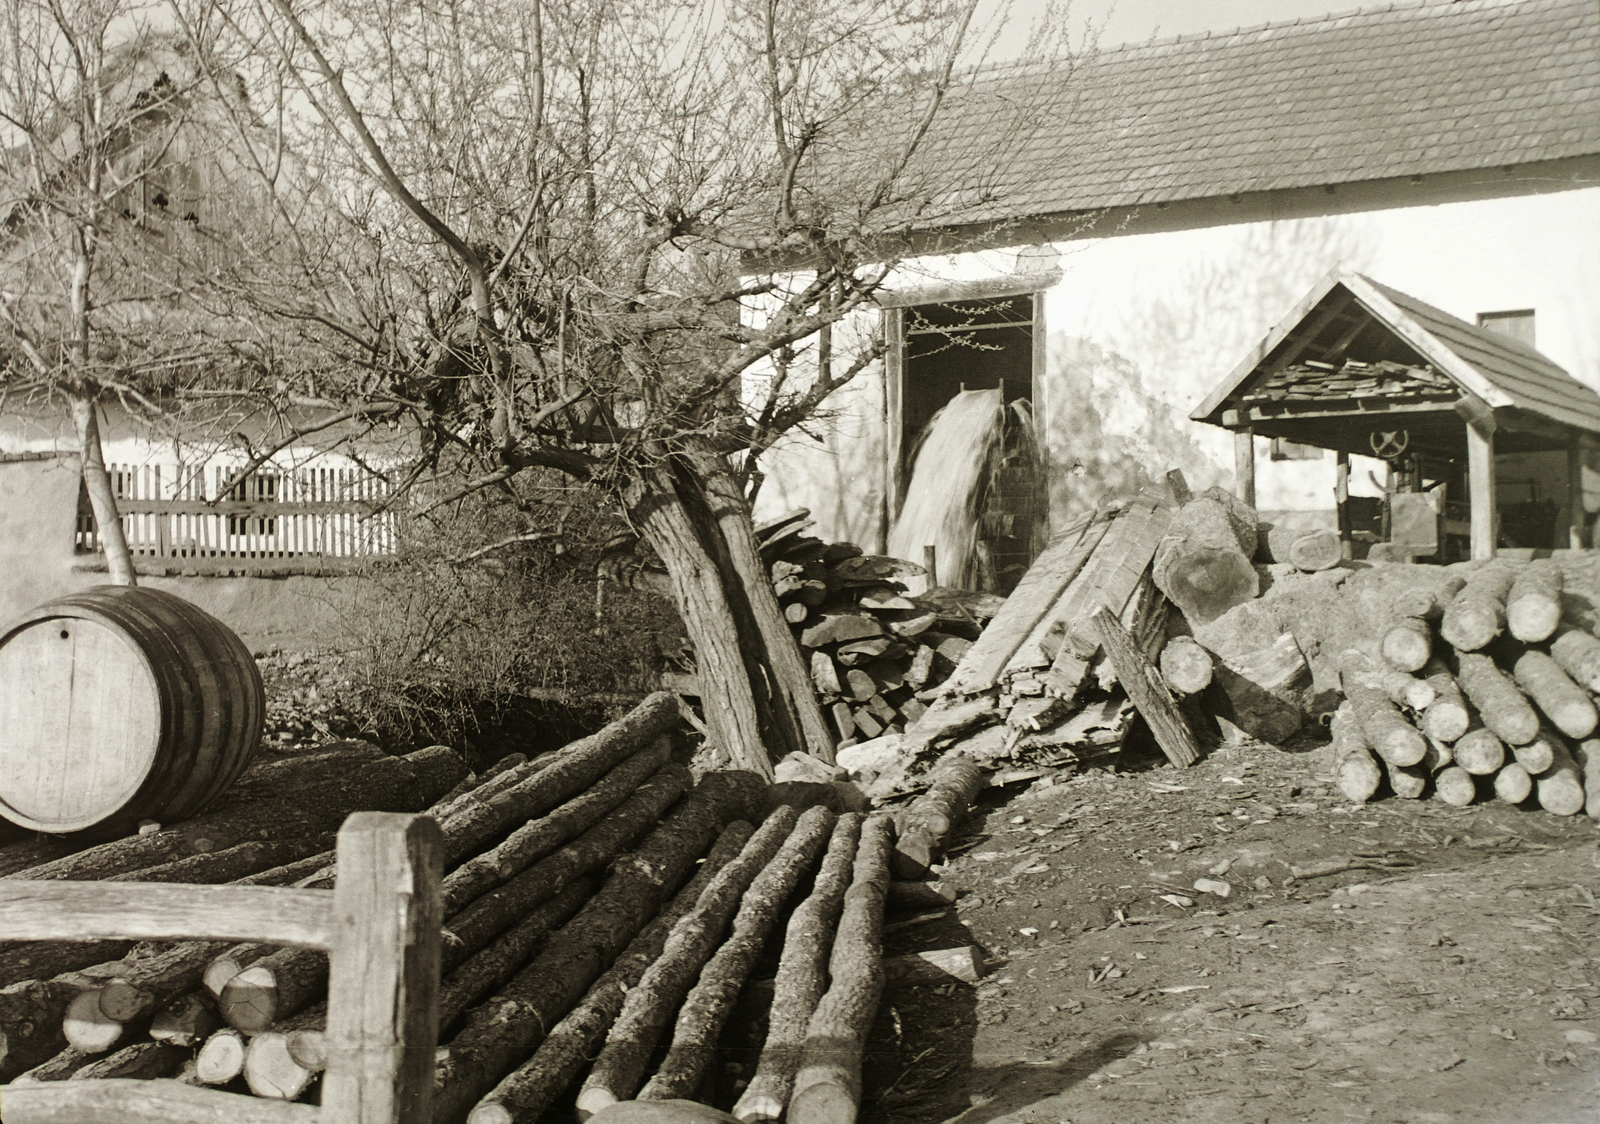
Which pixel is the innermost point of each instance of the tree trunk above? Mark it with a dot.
(1480, 752)
(1356, 773)
(274, 987)
(505, 956)
(59, 1067)
(705, 1011)
(1407, 781)
(1478, 613)
(1390, 735)
(1565, 703)
(925, 825)
(496, 911)
(1502, 706)
(728, 694)
(1512, 783)
(108, 525)
(187, 1021)
(1559, 786)
(1186, 666)
(802, 977)
(1203, 563)
(271, 1071)
(501, 1033)
(30, 1024)
(827, 1088)
(798, 713)
(524, 1095)
(619, 1070)
(144, 1060)
(1587, 754)
(1447, 717)
(538, 837)
(1455, 786)
(1533, 606)
(571, 771)
(221, 1059)
(1578, 652)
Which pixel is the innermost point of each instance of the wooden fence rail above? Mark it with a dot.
(381, 928)
(169, 512)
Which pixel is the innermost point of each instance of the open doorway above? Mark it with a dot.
(985, 344)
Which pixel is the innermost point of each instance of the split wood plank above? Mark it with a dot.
(1147, 690)
(1034, 596)
(1111, 584)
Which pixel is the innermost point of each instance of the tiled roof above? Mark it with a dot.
(1527, 378)
(1502, 371)
(1402, 90)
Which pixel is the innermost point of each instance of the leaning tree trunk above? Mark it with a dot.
(108, 525)
(795, 707)
(733, 718)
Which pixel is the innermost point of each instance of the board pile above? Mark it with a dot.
(598, 902)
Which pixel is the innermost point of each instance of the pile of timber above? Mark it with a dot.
(1482, 687)
(876, 652)
(599, 902)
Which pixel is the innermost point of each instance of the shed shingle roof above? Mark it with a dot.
(1409, 89)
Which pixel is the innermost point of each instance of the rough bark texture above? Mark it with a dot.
(493, 965)
(58, 1067)
(502, 1032)
(1448, 716)
(231, 863)
(390, 784)
(537, 838)
(1480, 752)
(728, 695)
(802, 977)
(1533, 604)
(1578, 652)
(89, 1028)
(1356, 772)
(575, 768)
(1186, 666)
(827, 1088)
(1559, 788)
(1454, 786)
(1387, 732)
(1512, 783)
(1203, 562)
(798, 713)
(619, 1070)
(144, 1060)
(229, 963)
(274, 987)
(30, 1024)
(188, 1020)
(1425, 603)
(1478, 613)
(1566, 704)
(705, 1011)
(1500, 704)
(494, 912)
(1587, 754)
(524, 1095)
(926, 824)
(40, 960)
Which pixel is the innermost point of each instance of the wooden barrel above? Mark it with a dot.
(121, 704)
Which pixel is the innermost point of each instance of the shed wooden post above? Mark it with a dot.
(1341, 501)
(383, 983)
(1480, 488)
(1575, 511)
(1244, 464)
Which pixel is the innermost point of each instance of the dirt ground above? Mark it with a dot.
(1450, 974)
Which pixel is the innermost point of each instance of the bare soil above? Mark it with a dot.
(1451, 974)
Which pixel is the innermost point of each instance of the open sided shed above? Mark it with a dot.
(1358, 367)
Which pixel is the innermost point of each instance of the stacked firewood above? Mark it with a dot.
(876, 653)
(598, 902)
(1484, 686)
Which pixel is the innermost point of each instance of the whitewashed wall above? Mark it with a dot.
(1142, 326)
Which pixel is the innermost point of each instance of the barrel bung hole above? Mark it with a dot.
(65, 635)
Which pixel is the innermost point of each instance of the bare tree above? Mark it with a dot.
(548, 236)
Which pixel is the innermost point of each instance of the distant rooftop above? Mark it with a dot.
(1409, 89)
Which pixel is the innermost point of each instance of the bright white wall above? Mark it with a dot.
(1142, 326)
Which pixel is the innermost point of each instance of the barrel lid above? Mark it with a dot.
(80, 722)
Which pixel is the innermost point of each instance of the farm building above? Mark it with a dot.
(1157, 210)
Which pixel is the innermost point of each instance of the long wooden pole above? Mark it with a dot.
(1244, 464)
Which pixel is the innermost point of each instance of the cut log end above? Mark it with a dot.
(249, 1001)
(1455, 786)
(1186, 666)
(221, 1059)
(87, 1027)
(823, 1103)
(1407, 645)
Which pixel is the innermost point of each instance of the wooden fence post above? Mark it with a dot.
(383, 985)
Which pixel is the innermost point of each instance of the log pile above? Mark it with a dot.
(1482, 688)
(600, 902)
(877, 653)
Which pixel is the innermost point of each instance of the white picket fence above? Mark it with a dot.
(274, 514)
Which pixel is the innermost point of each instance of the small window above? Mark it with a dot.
(1293, 451)
(1517, 325)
